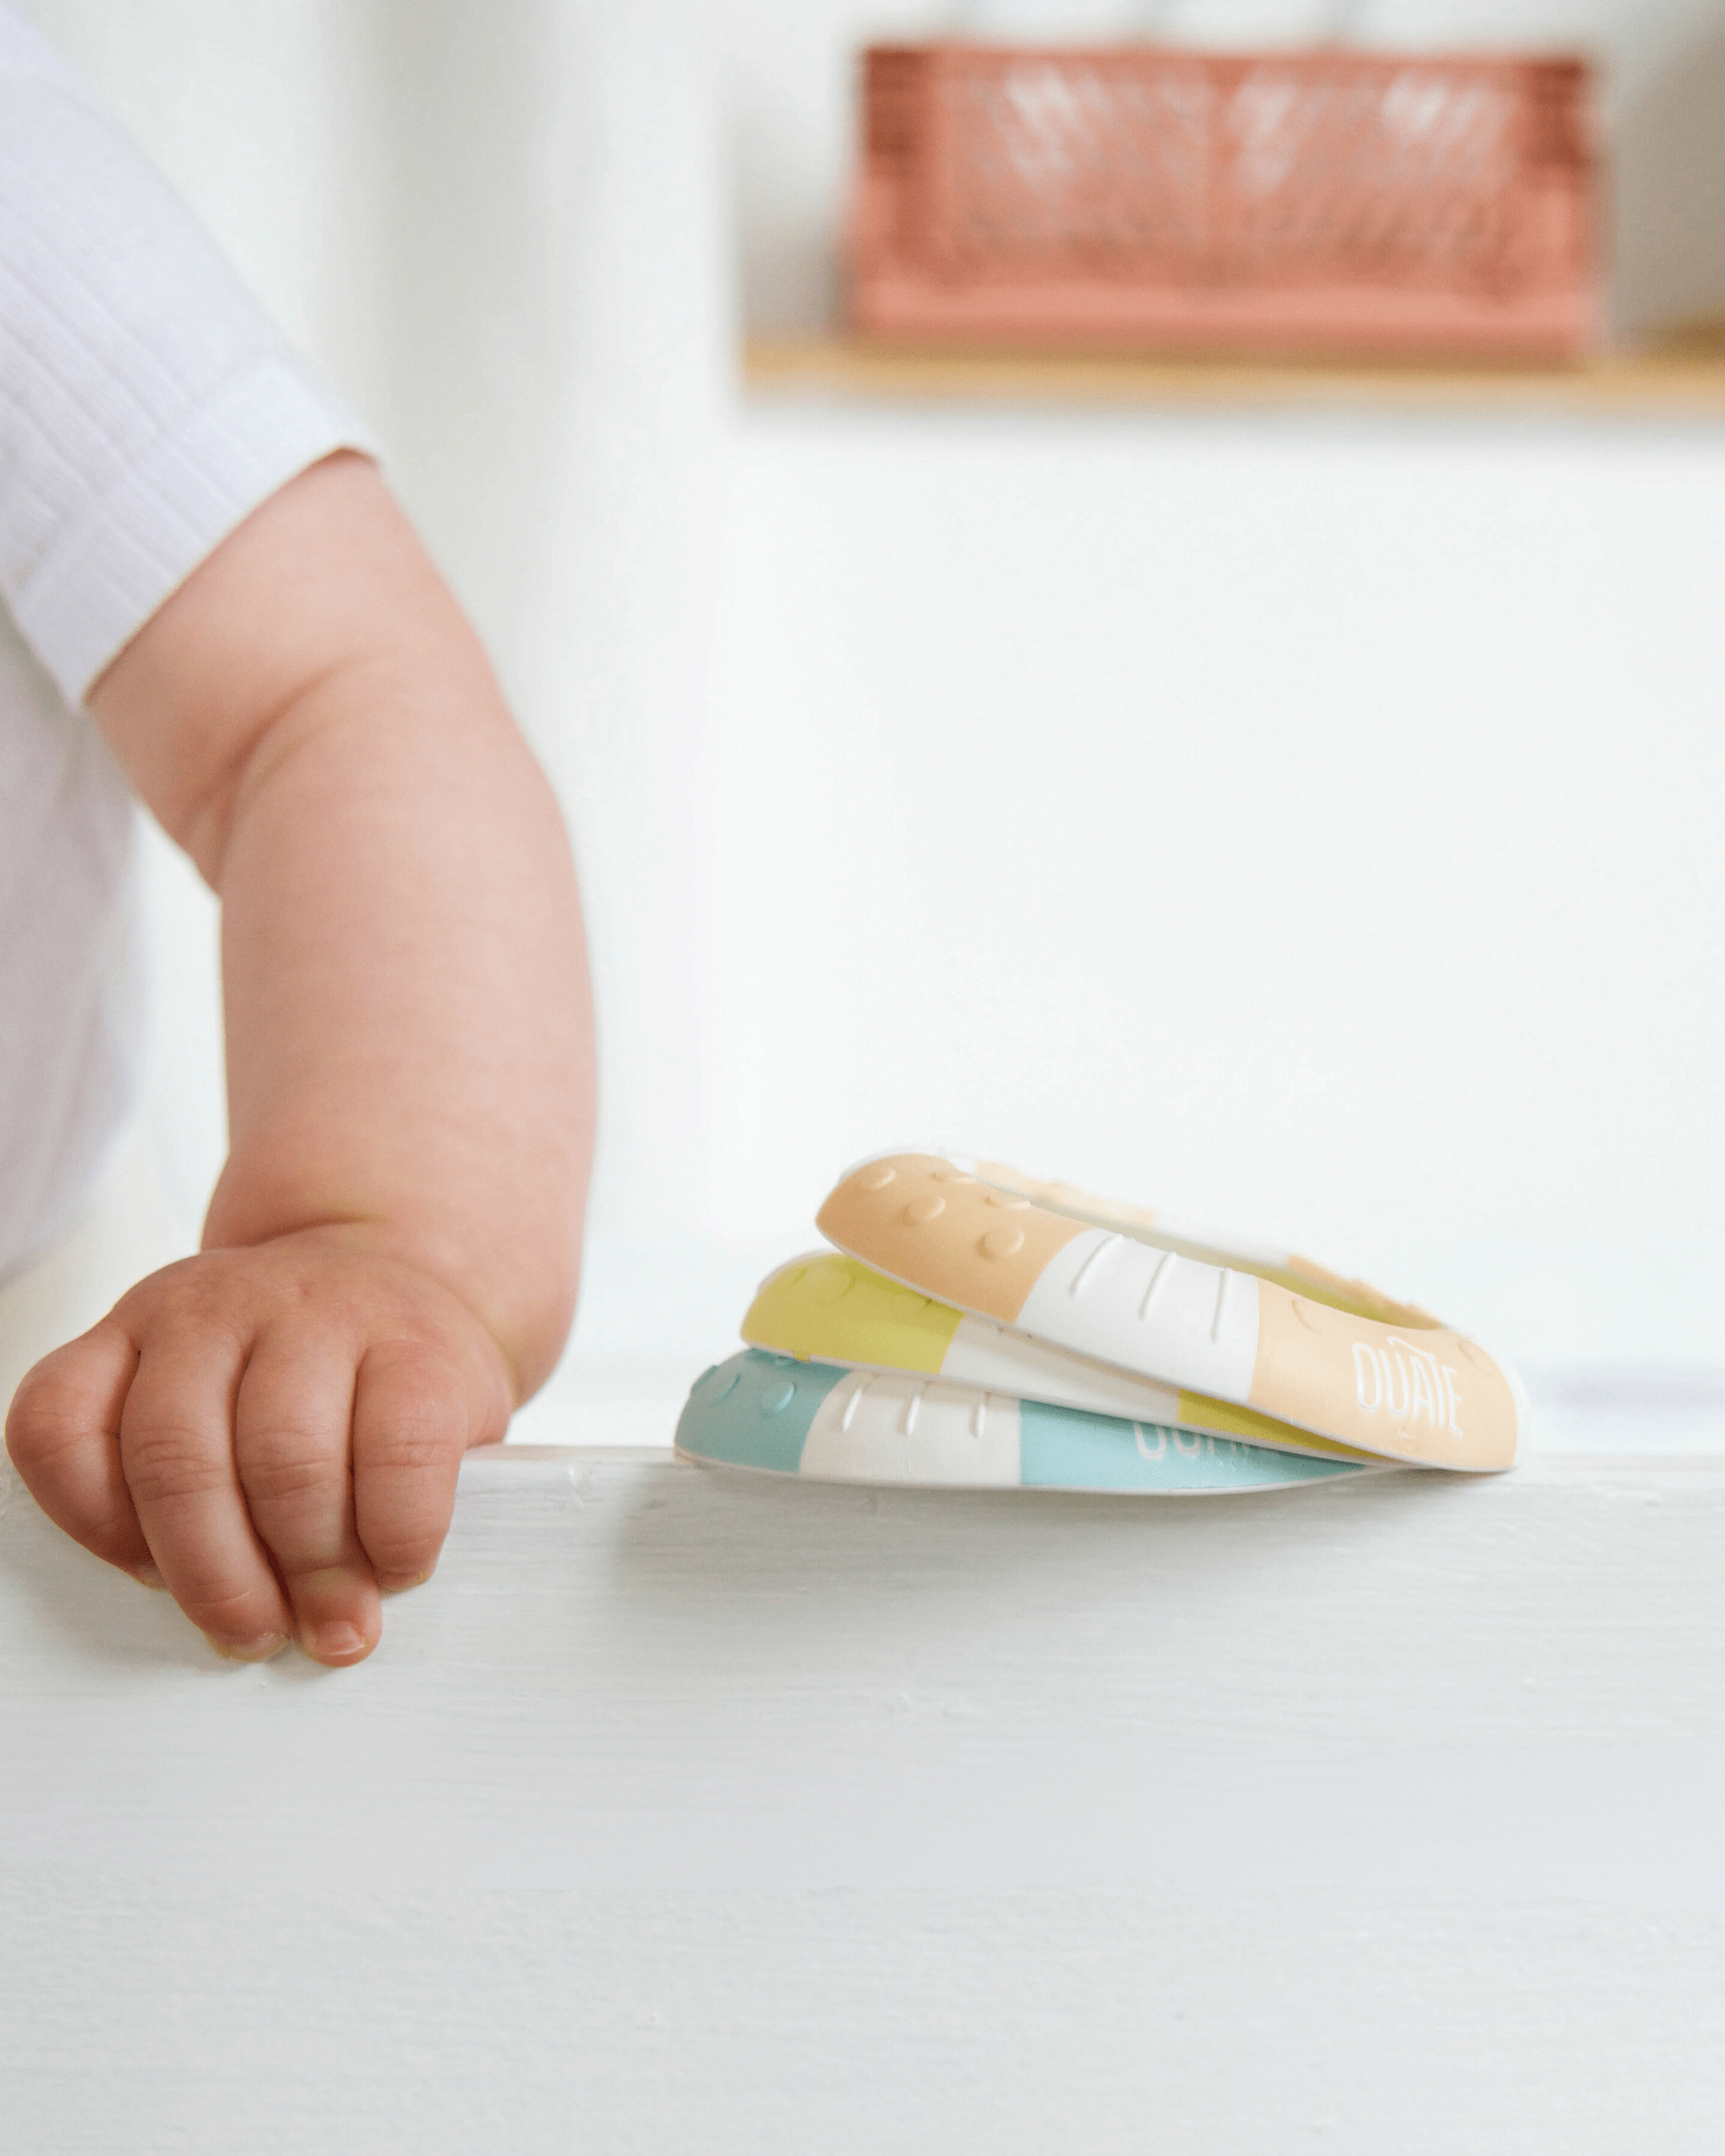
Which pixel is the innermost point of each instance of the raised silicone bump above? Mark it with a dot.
(723, 1418)
(944, 1255)
(838, 1310)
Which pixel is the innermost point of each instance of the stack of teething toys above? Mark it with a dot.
(974, 1328)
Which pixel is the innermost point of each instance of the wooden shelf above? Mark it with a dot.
(1680, 377)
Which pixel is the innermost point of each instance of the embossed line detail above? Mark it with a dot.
(979, 1416)
(1100, 1251)
(1221, 1304)
(913, 1408)
(1165, 1268)
(920, 1211)
(856, 1393)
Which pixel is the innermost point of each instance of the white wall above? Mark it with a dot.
(1309, 825)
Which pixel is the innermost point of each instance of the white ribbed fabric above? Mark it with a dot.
(146, 405)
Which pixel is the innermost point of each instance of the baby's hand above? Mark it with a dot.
(272, 1433)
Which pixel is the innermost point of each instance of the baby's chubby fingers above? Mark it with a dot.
(63, 1433)
(292, 1422)
(276, 1428)
(176, 1448)
(413, 1418)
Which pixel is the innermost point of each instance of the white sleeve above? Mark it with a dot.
(148, 405)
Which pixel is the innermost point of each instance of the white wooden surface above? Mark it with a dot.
(688, 1811)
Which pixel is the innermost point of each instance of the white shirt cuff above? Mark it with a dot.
(170, 510)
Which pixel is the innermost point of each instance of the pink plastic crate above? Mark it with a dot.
(1330, 200)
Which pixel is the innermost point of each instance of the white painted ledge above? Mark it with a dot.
(693, 1811)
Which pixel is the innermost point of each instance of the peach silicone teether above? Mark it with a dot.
(1109, 1286)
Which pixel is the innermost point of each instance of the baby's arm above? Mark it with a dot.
(390, 1258)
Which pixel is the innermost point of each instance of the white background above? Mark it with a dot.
(1311, 825)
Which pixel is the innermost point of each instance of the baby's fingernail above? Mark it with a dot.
(399, 1583)
(267, 1644)
(148, 1575)
(337, 1642)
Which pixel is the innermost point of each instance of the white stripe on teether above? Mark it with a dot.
(953, 1439)
(1188, 1324)
(983, 1353)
